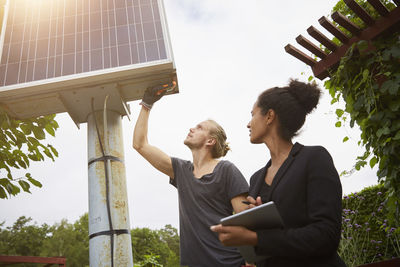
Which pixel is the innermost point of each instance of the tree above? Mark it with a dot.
(170, 236)
(21, 143)
(23, 239)
(70, 241)
(62, 239)
(150, 246)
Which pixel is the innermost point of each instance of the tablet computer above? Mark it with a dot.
(264, 216)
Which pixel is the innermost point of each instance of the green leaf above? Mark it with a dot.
(359, 164)
(397, 136)
(34, 141)
(11, 136)
(33, 157)
(24, 185)
(55, 152)
(339, 112)
(50, 129)
(388, 140)
(22, 163)
(373, 161)
(395, 50)
(34, 182)
(26, 129)
(382, 131)
(4, 182)
(47, 152)
(394, 105)
(310, 78)
(362, 45)
(387, 74)
(387, 86)
(338, 124)
(3, 193)
(365, 74)
(394, 88)
(39, 133)
(12, 189)
(345, 139)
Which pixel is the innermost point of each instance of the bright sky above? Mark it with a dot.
(226, 53)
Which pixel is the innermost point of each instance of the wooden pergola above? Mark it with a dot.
(388, 23)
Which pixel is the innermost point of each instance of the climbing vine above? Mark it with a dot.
(368, 80)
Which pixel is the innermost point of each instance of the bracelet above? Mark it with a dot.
(145, 105)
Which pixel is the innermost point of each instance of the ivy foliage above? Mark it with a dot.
(21, 142)
(368, 79)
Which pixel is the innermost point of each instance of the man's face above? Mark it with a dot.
(198, 136)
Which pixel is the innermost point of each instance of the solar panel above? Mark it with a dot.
(58, 46)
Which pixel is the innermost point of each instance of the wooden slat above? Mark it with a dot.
(379, 7)
(346, 23)
(360, 12)
(325, 41)
(32, 259)
(300, 55)
(333, 30)
(311, 47)
(382, 25)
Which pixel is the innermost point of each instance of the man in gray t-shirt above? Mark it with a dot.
(202, 203)
(208, 189)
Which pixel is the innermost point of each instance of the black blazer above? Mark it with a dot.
(308, 195)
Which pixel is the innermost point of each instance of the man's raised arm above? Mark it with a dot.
(160, 160)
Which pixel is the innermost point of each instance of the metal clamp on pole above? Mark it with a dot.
(110, 232)
(103, 158)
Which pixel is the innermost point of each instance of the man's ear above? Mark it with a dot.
(211, 142)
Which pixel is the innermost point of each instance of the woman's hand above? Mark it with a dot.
(233, 236)
(253, 202)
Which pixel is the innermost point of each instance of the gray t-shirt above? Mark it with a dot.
(202, 203)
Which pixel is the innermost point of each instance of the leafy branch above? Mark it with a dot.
(21, 143)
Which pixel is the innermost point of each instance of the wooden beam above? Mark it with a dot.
(325, 41)
(300, 55)
(346, 23)
(311, 47)
(381, 26)
(360, 12)
(32, 259)
(379, 7)
(333, 30)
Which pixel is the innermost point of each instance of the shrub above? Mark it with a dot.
(366, 235)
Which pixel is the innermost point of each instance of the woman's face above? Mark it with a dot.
(258, 125)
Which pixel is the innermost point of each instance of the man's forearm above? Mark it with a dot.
(141, 128)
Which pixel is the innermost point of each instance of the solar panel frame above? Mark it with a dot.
(107, 47)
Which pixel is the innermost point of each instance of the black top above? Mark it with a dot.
(308, 195)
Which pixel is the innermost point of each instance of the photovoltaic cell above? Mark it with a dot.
(52, 38)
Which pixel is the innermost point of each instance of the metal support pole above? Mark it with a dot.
(109, 227)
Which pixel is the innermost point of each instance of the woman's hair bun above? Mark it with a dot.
(307, 94)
